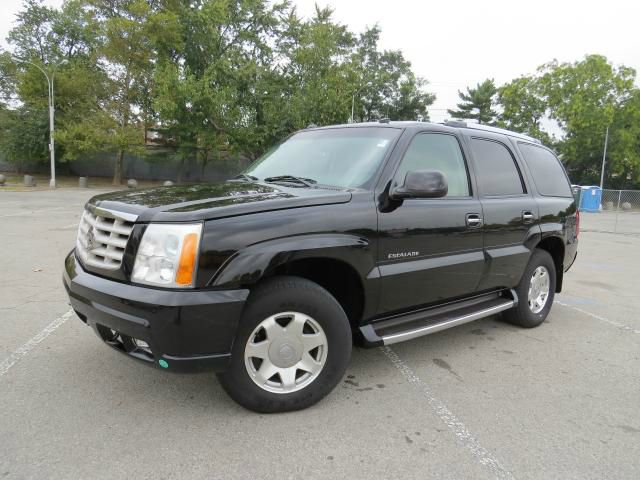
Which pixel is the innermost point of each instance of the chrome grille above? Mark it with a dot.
(102, 237)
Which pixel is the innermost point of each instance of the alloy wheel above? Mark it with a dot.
(286, 352)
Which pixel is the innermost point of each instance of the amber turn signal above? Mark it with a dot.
(187, 265)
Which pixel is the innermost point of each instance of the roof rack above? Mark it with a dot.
(487, 128)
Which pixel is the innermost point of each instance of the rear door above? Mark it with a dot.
(510, 211)
(430, 250)
(555, 200)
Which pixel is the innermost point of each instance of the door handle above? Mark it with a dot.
(528, 217)
(473, 220)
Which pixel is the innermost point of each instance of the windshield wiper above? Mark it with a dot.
(244, 177)
(307, 182)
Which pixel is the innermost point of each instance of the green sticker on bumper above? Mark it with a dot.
(163, 363)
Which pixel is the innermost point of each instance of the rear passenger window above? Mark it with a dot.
(435, 151)
(546, 170)
(496, 169)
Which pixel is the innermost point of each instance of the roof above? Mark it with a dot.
(451, 124)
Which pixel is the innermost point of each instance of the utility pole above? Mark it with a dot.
(604, 158)
(52, 150)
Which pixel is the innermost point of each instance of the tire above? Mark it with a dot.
(263, 345)
(528, 314)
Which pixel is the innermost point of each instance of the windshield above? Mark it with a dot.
(345, 157)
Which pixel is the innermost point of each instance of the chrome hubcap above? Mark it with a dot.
(538, 289)
(285, 352)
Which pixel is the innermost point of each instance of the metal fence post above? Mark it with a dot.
(615, 228)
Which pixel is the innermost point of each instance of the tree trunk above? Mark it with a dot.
(117, 174)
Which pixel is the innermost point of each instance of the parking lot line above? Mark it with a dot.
(448, 418)
(619, 325)
(21, 352)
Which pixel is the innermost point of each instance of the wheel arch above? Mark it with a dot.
(339, 263)
(555, 247)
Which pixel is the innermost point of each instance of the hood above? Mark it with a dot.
(209, 201)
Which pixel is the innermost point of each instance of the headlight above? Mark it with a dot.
(167, 255)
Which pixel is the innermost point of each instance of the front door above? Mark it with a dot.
(430, 250)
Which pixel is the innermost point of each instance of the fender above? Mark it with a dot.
(251, 264)
(553, 229)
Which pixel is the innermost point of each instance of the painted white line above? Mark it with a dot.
(463, 435)
(24, 350)
(619, 325)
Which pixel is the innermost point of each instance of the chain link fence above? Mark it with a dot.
(619, 212)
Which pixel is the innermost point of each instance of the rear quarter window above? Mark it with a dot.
(497, 171)
(546, 170)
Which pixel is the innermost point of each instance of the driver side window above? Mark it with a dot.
(437, 151)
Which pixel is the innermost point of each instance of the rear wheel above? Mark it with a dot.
(535, 291)
(292, 348)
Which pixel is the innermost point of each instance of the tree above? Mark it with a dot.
(317, 69)
(125, 55)
(586, 97)
(60, 42)
(623, 169)
(218, 78)
(477, 103)
(523, 107)
(217, 83)
(25, 135)
(391, 89)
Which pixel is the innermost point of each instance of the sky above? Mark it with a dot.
(456, 44)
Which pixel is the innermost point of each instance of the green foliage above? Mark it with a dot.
(523, 108)
(585, 98)
(212, 76)
(20, 127)
(60, 42)
(623, 152)
(228, 78)
(477, 103)
(390, 89)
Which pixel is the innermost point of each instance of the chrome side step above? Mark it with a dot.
(417, 324)
(452, 322)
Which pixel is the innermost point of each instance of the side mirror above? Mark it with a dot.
(421, 184)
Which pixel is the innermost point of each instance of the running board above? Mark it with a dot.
(416, 324)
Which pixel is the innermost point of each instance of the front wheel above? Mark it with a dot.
(292, 348)
(535, 291)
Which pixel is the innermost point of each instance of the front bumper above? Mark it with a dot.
(185, 330)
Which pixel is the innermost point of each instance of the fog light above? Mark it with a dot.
(141, 344)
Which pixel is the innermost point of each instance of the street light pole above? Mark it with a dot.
(52, 150)
(604, 157)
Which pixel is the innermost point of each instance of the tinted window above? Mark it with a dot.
(546, 170)
(497, 171)
(433, 151)
(348, 157)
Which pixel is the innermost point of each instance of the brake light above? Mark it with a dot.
(577, 223)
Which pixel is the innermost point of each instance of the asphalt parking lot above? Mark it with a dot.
(483, 400)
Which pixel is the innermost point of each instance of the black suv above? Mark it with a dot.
(379, 231)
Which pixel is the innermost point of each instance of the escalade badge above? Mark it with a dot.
(403, 255)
